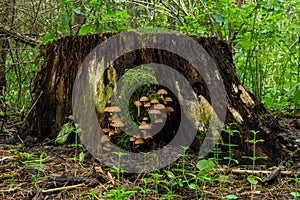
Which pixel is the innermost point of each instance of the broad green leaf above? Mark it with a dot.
(231, 196)
(84, 29)
(193, 186)
(49, 37)
(295, 194)
(205, 164)
(219, 18)
(64, 133)
(252, 180)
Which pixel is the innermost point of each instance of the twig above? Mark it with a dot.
(241, 171)
(63, 188)
(32, 106)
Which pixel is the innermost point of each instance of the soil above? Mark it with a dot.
(45, 170)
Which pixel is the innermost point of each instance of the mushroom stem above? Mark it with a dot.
(139, 111)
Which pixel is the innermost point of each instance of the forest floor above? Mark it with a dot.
(33, 170)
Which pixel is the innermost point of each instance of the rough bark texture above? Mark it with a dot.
(53, 89)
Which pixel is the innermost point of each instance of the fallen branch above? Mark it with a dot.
(246, 171)
(63, 188)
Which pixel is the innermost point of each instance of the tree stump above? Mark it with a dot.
(54, 83)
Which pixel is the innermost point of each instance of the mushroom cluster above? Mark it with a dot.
(154, 108)
(155, 113)
(114, 125)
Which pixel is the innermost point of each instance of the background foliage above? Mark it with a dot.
(263, 36)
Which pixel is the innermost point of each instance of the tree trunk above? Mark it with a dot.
(54, 83)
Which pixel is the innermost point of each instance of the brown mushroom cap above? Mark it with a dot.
(147, 105)
(159, 106)
(139, 141)
(115, 109)
(154, 112)
(145, 119)
(154, 101)
(106, 130)
(147, 136)
(117, 123)
(169, 109)
(112, 109)
(161, 92)
(168, 99)
(144, 98)
(138, 103)
(107, 109)
(105, 138)
(111, 132)
(132, 139)
(145, 126)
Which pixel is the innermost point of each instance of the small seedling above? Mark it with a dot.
(230, 133)
(120, 192)
(63, 135)
(297, 181)
(254, 141)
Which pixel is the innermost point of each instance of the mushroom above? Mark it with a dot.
(168, 99)
(139, 141)
(117, 123)
(154, 101)
(147, 136)
(111, 132)
(132, 139)
(112, 109)
(169, 109)
(154, 112)
(138, 104)
(159, 106)
(105, 138)
(144, 99)
(106, 130)
(145, 128)
(161, 93)
(145, 119)
(147, 105)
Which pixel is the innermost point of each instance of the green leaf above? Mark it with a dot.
(231, 196)
(193, 186)
(202, 164)
(205, 164)
(77, 11)
(49, 37)
(252, 180)
(219, 18)
(171, 175)
(94, 4)
(295, 194)
(81, 157)
(64, 133)
(85, 29)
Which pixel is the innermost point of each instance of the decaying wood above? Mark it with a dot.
(63, 59)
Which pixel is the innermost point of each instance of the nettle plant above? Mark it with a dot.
(148, 107)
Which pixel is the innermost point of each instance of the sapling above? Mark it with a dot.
(63, 135)
(251, 179)
(230, 133)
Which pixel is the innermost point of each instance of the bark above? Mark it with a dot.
(53, 89)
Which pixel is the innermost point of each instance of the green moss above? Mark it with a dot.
(104, 93)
